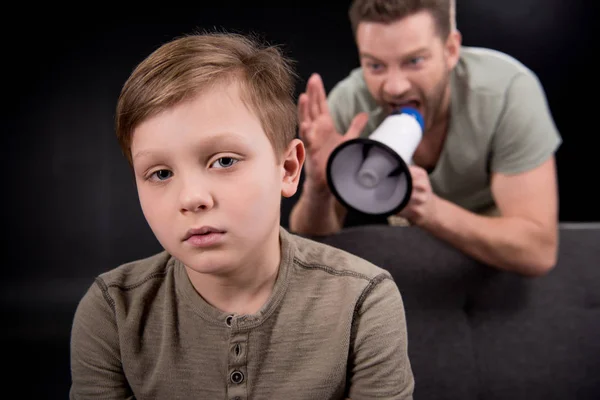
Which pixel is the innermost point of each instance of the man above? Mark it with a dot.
(484, 174)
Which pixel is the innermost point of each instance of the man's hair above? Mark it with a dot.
(186, 67)
(387, 11)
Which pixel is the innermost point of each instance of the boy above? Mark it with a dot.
(235, 307)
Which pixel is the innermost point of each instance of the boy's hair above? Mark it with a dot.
(387, 11)
(182, 69)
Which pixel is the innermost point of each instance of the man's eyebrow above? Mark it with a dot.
(367, 55)
(408, 54)
(415, 52)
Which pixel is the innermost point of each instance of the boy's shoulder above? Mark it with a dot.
(311, 253)
(135, 273)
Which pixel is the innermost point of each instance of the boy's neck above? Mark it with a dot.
(247, 289)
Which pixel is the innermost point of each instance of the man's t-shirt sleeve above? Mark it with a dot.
(526, 135)
(340, 106)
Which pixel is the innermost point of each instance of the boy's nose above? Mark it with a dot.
(195, 197)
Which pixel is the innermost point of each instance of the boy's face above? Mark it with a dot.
(406, 63)
(206, 168)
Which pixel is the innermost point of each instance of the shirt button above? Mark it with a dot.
(228, 320)
(237, 377)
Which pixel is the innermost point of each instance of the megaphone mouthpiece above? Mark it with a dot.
(377, 166)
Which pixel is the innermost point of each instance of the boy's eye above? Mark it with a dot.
(162, 174)
(224, 162)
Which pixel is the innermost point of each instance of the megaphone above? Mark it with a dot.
(371, 175)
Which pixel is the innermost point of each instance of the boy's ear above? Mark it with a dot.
(292, 162)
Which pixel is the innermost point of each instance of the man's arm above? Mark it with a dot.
(524, 239)
(316, 213)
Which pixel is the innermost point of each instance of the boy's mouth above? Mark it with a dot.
(202, 231)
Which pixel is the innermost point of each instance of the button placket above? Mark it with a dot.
(237, 365)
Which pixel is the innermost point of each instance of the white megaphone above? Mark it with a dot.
(371, 175)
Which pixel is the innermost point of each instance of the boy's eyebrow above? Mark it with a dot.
(141, 154)
(224, 138)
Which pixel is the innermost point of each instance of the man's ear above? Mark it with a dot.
(453, 45)
(291, 166)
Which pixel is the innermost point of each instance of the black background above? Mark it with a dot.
(69, 198)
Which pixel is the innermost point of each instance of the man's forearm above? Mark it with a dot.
(508, 243)
(314, 213)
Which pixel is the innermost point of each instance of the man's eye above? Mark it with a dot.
(224, 162)
(162, 174)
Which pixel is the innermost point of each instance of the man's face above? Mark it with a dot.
(207, 165)
(406, 63)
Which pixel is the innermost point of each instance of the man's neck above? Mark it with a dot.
(428, 151)
(440, 123)
(245, 289)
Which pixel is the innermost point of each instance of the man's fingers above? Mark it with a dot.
(303, 108)
(321, 96)
(420, 180)
(417, 199)
(303, 130)
(417, 172)
(314, 82)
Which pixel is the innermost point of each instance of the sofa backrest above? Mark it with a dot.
(479, 333)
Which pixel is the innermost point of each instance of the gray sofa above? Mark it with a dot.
(474, 333)
(478, 333)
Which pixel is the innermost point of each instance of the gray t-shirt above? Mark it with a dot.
(499, 122)
(333, 327)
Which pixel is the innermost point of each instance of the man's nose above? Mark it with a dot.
(396, 84)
